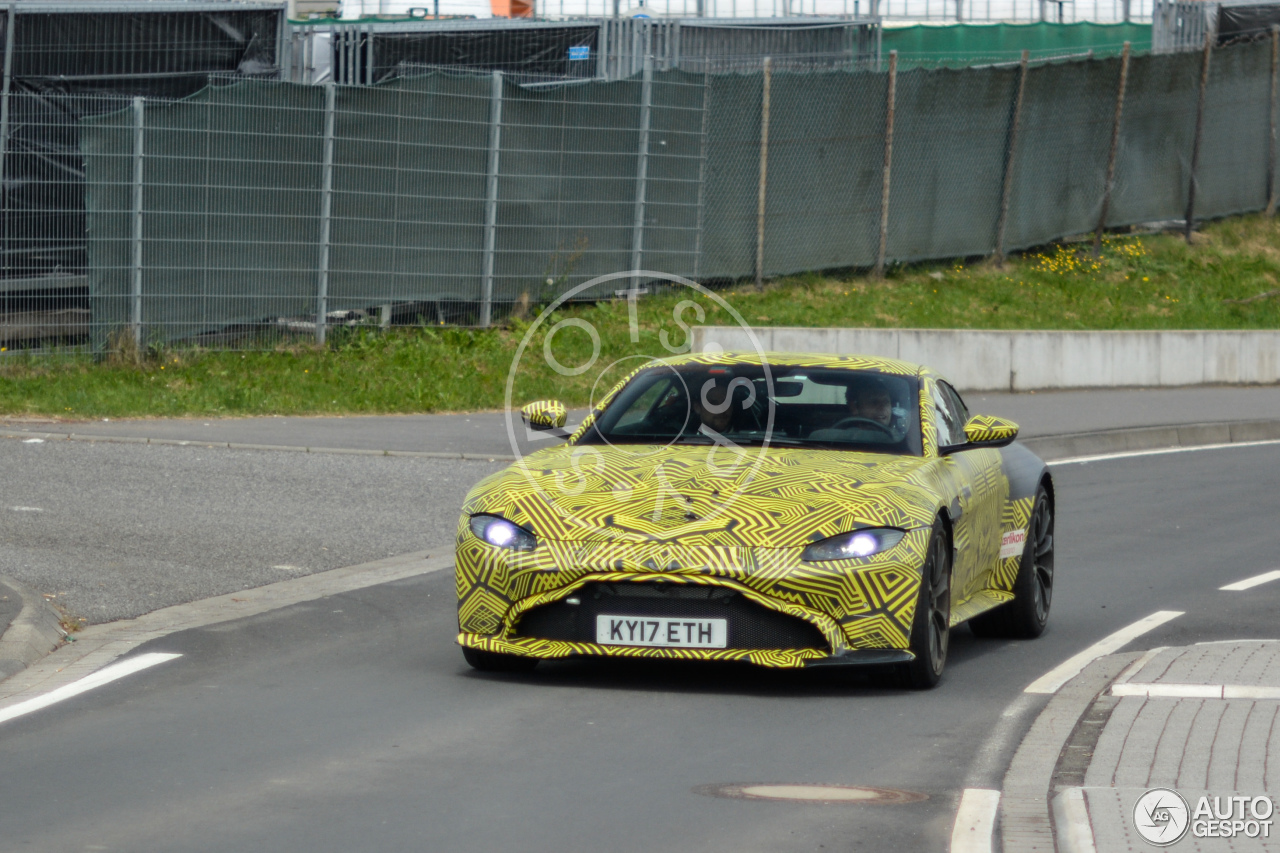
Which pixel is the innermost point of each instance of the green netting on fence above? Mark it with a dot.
(225, 226)
(958, 45)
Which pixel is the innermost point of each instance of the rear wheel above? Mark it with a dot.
(931, 627)
(497, 662)
(1026, 616)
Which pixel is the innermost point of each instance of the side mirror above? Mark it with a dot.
(544, 415)
(985, 431)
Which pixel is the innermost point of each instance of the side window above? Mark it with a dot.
(957, 403)
(950, 420)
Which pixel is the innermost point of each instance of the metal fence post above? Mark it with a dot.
(702, 176)
(888, 162)
(1271, 112)
(1006, 190)
(135, 284)
(642, 172)
(4, 105)
(767, 83)
(1111, 155)
(491, 201)
(326, 212)
(1195, 143)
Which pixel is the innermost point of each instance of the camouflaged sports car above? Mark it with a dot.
(788, 511)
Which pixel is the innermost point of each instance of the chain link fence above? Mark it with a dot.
(243, 213)
(258, 206)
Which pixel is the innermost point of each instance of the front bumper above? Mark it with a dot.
(856, 605)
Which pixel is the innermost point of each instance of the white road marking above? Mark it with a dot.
(1052, 680)
(34, 441)
(975, 821)
(1250, 583)
(1197, 691)
(1128, 454)
(89, 682)
(1225, 642)
(1071, 816)
(26, 509)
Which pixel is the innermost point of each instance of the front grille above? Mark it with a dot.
(750, 625)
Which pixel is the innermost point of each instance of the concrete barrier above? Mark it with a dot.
(1027, 361)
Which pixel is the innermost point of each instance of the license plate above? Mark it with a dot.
(662, 631)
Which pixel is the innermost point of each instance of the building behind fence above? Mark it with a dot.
(69, 61)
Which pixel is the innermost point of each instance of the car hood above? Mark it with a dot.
(698, 495)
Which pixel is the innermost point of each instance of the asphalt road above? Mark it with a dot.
(1039, 414)
(116, 530)
(351, 723)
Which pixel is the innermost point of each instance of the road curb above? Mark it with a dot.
(1025, 802)
(35, 632)
(1053, 447)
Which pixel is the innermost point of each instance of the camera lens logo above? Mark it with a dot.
(1161, 817)
(586, 485)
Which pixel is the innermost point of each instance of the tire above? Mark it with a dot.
(497, 662)
(931, 626)
(1026, 616)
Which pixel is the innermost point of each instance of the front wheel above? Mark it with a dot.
(497, 662)
(1026, 616)
(931, 627)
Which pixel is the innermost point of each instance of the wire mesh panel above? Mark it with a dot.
(409, 181)
(1153, 165)
(822, 197)
(732, 175)
(1060, 168)
(205, 213)
(259, 206)
(950, 146)
(1233, 164)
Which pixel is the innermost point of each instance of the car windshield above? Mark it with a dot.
(827, 408)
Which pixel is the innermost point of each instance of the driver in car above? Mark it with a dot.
(870, 418)
(719, 421)
(870, 400)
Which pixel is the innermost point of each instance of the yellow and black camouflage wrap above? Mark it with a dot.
(740, 518)
(982, 428)
(545, 414)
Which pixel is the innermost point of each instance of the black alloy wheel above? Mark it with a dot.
(931, 627)
(1026, 616)
(498, 662)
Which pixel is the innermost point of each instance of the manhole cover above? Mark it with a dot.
(788, 792)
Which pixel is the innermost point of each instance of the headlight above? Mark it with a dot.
(501, 533)
(855, 543)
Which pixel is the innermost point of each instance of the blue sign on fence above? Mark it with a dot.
(580, 52)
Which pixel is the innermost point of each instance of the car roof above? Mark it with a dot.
(870, 363)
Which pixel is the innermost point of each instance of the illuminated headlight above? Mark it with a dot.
(501, 533)
(855, 543)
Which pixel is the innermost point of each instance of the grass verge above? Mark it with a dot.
(1226, 280)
